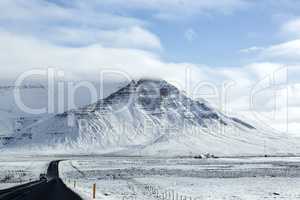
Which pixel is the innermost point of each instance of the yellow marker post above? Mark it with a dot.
(94, 191)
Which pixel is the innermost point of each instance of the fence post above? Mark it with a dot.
(94, 191)
(74, 184)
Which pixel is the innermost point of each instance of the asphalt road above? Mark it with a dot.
(51, 189)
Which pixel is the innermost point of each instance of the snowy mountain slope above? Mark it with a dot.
(11, 116)
(35, 95)
(149, 117)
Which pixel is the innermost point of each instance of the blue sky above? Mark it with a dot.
(242, 41)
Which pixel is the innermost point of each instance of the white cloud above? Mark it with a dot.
(36, 12)
(131, 37)
(263, 69)
(21, 53)
(76, 25)
(253, 49)
(292, 27)
(288, 51)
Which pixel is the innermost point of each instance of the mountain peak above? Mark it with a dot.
(145, 87)
(151, 81)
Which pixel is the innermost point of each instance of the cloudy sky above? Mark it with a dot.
(252, 44)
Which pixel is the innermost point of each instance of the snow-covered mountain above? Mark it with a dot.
(149, 117)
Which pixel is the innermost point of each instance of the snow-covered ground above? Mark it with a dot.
(162, 178)
(149, 178)
(228, 188)
(16, 170)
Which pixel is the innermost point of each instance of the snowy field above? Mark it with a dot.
(155, 178)
(19, 170)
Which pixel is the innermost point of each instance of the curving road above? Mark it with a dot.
(51, 189)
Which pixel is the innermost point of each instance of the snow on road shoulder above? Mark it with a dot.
(111, 187)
